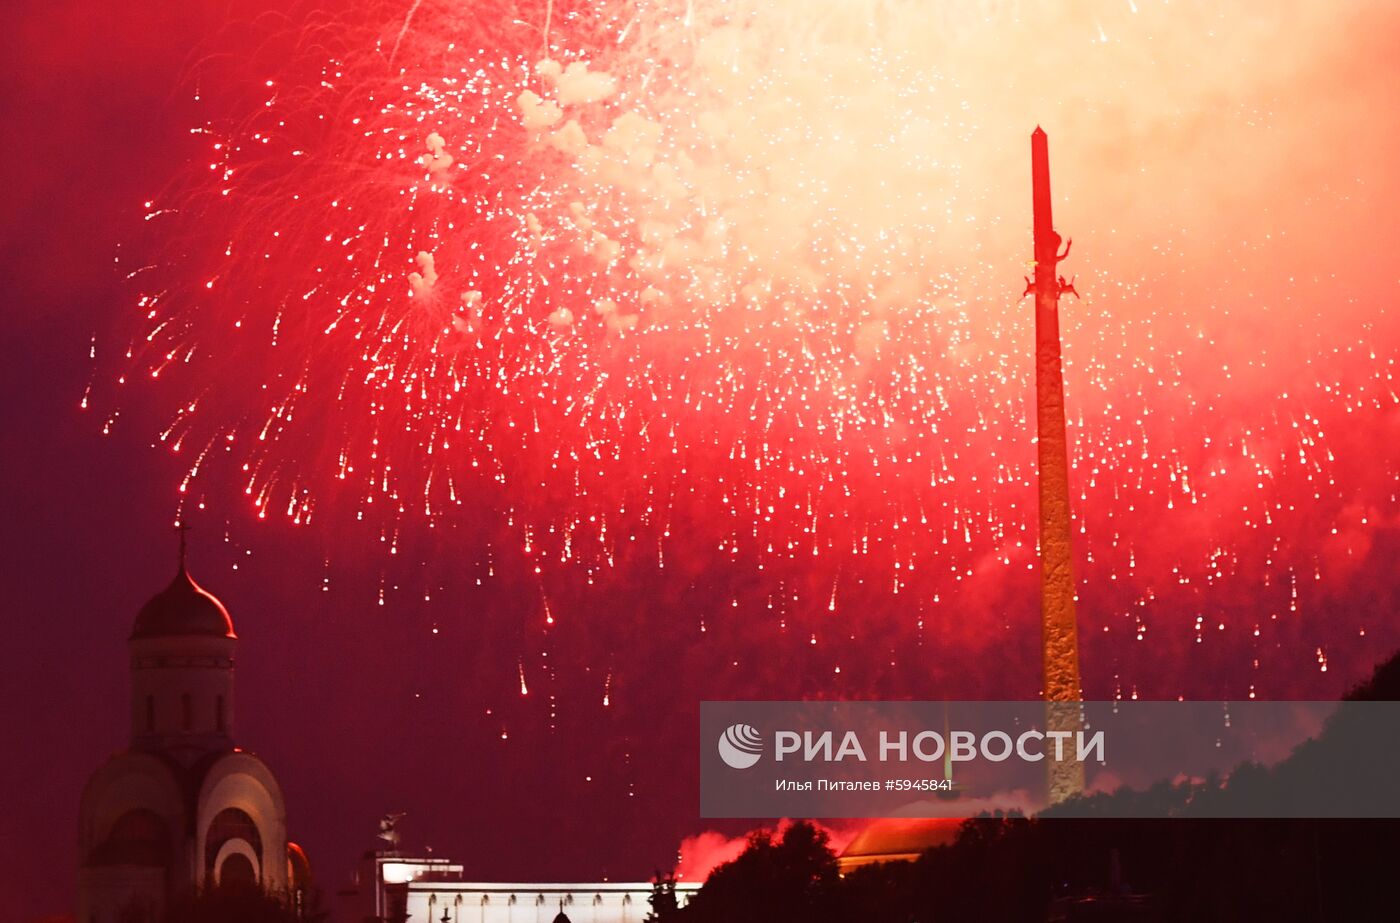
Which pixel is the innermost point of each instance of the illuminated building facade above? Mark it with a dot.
(397, 888)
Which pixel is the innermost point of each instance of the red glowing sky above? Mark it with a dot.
(1228, 182)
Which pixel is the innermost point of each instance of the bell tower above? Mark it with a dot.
(182, 648)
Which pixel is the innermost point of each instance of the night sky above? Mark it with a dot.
(531, 707)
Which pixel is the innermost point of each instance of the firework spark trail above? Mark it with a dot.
(741, 276)
(407, 23)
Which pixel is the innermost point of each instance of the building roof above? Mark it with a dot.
(184, 608)
(897, 839)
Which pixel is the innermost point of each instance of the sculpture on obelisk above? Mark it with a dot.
(1059, 633)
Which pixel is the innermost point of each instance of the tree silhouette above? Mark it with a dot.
(664, 907)
(235, 904)
(774, 880)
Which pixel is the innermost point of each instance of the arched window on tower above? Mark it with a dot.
(139, 838)
(220, 719)
(150, 714)
(232, 824)
(187, 709)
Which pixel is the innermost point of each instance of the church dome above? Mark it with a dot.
(181, 609)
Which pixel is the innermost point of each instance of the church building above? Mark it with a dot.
(182, 808)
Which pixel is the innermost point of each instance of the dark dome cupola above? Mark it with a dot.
(184, 608)
(182, 647)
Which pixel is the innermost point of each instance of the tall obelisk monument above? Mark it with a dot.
(1059, 633)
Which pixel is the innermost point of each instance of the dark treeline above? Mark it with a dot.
(239, 904)
(1188, 866)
